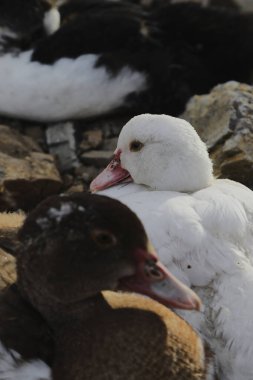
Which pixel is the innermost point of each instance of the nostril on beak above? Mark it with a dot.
(114, 163)
(152, 271)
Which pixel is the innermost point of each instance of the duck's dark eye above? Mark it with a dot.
(136, 146)
(103, 238)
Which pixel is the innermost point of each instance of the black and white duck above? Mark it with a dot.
(23, 22)
(112, 56)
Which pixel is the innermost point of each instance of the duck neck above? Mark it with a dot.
(74, 337)
(57, 314)
(69, 318)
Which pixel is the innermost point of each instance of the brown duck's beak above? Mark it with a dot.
(154, 280)
(111, 175)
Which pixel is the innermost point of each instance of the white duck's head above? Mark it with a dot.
(161, 152)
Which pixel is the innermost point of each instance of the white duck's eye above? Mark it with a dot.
(103, 238)
(135, 146)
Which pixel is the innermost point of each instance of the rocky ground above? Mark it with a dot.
(39, 160)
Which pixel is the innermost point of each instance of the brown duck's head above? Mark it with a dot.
(75, 246)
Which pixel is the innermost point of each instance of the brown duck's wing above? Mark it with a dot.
(183, 343)
(22, 328)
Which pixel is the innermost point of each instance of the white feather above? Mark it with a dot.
(69, 88)
(12, 367)
(52, 20)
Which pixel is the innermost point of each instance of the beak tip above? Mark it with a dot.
(195, 303)
(93, 188)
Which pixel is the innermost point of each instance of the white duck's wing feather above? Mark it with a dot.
(232, 309)
(206, 240)
(229, 213)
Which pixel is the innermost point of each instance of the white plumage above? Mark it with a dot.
(65, 89)
(12, 367)
(52, 20)
(201, 227)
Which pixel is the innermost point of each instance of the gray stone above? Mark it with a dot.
(61, 143)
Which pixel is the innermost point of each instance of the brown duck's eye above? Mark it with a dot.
(136, 146)
(103, 238)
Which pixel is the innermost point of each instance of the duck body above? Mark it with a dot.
(205, 238)
(203, 233)
(29, 344)
(148, 61)
(26, 342)
(56, 317)
(48, 88)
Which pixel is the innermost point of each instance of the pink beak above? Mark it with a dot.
(154, 280)
(111, 175)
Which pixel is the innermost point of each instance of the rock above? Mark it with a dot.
(78, 188)
(26, 174)
(25, 182)
(89, 173)
(224, 120)
(110, 125)
(113, 126)
(10, 223)
(110, 144)
(92, 139)
(235, 4)
(61, 143)
(245, 5)
(37, 133)
(98, 158)
(15, 144)
(8, 269)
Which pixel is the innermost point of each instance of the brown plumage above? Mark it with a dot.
(127, 337)
(73, 247)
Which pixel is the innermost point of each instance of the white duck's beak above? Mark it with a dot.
(111, 175)
(154, 280)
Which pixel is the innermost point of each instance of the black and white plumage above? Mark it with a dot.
(118, 55)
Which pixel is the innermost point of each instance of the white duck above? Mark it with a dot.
(201, 227)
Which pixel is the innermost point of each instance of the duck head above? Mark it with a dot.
(23, 23)
(74, 247)
(161, 152)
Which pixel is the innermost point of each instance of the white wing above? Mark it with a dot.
(206, 239)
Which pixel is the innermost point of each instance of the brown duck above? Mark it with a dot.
(76, 251)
